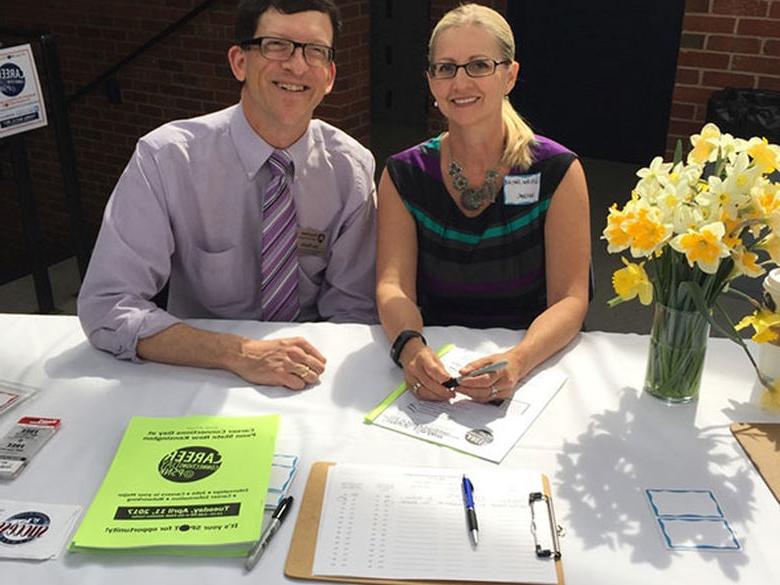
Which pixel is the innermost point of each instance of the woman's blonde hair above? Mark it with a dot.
(518, 136)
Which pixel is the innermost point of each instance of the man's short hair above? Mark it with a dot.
(250, 11)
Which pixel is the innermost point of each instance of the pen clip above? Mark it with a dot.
(468, 492)
(555, 530)
(282, 509)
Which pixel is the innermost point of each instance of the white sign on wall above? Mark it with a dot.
(21, 98)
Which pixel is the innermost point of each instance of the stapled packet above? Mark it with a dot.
(23, 441)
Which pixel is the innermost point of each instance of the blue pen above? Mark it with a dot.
(471, 515)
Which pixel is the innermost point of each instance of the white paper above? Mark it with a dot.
(409, 523)
(12, 395)
(21, 98)
(484, 430)
(35, 531)
(283, 470)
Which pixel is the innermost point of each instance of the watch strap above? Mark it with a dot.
(400, 342)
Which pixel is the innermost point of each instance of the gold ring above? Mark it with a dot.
(415, 388)
(302, 375)
(493, 392)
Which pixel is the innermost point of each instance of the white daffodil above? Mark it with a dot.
(647, 191)
(657, 169)
(746, 262)
(721, 198)
(705, 145)
(686, 217)
(741, 176)
(703, 247)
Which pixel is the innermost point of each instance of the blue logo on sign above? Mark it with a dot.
(24, 527)
(11, 79)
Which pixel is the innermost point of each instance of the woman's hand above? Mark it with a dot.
(495, 385)
(424, 374)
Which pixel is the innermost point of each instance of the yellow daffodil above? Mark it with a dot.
(772, 245)
(765, 197)
(733, 232)
(765, 155)
(646, 231)
(631, 281)
(703, 247)
(763, 322)
(705, 145)
(773, 221)
(615, 234)
(746, 263)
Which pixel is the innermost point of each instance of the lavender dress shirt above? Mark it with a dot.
(188, 210)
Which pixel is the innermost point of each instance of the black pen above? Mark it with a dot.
(276, 521)
(494, 367)
(471, 514)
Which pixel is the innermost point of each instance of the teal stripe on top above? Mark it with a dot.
(494, 232)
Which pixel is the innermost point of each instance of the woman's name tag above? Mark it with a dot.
(522, 189)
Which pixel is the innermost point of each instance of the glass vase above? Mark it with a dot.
(678, 343)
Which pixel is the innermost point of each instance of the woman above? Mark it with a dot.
(486, 225)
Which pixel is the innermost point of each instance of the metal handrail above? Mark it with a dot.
(109, 73)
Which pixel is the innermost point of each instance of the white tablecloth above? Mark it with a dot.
(601, 441)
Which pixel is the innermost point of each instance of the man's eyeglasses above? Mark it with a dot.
(277, 49)
(475, 68)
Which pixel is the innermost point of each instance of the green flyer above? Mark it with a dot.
(191, 485)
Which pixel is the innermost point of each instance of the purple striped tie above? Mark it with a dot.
(279, 261)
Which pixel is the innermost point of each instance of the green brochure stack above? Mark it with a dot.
(193, 485)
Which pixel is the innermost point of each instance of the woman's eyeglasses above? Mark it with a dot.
(475, 68)
(277, 49)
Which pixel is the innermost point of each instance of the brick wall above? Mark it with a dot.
(185, 75)
(725, 43)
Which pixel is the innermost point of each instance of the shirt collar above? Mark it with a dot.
(254, 151)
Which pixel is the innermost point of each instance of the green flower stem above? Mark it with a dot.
(678, 344)
(766, 382)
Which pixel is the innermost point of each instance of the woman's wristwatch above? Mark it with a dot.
(400, 342)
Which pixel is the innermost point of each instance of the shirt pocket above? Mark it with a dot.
(313, 269)
(219, 277)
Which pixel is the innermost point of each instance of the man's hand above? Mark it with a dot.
(292, 362)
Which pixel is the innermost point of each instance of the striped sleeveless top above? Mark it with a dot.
(485, 271)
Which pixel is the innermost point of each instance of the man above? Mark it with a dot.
(253, 212)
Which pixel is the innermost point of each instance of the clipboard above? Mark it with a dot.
(761, 442)
(300, 558)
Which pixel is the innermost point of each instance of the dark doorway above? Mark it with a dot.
(399, 32)
(399, 91)
(598, 76)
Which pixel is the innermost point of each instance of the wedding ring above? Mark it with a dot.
(415, 388)
(493, 392)
(302, 374)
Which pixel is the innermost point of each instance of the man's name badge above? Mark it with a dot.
(522, 189)
(312, 242)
